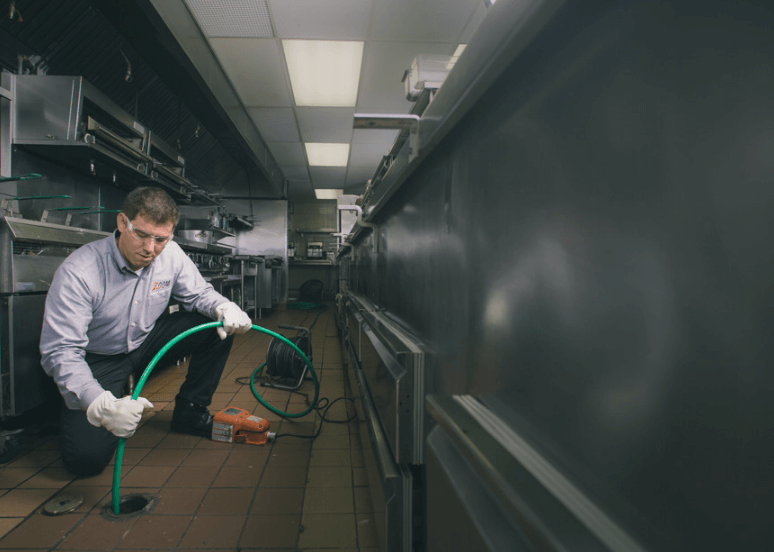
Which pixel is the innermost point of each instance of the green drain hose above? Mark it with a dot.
(162, 352)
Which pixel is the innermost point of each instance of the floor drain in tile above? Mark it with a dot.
(130, 506)
(63, 504)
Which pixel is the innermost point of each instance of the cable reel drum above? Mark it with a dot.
(283, 364)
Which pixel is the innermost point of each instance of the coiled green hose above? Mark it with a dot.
(162, 352)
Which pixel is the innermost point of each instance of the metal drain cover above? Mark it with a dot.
(63, 504)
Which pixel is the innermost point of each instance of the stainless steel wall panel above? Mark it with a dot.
(267, 238)
(585, 253)
(269, 235)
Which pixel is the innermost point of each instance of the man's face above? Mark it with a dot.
(141, 240)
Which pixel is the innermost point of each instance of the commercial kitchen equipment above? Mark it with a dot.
(30, 253)
(213, 260)
(427, 72)
(387, 364)
(68, 120)
(314, 250)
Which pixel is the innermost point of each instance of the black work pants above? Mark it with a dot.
(87, 450)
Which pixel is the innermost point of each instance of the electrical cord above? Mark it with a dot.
(279, 355)
(161, 353)
(327, 405)
(321, 409)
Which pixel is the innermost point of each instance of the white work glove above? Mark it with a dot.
(234, 319)
(119, 416)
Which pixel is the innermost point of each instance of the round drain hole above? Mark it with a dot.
(130, 506)
(63, 504)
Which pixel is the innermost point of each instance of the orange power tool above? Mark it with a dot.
(234, 425)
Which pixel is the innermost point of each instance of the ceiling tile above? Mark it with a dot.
(276, 124)
(367, 155)
(429, 20)
(232, 18)
(381, 89)
(255, 68)
(328, 177)
(300, 191)
(359, 175)
(287, 153)
(325, 124)
(313, 19)
(296, 174)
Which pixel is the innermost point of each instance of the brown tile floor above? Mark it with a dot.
(293, 494)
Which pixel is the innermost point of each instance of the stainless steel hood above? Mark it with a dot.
(126, 53)
(68, 119)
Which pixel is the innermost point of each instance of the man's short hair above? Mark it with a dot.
(152, 203)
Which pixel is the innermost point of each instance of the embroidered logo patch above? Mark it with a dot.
(160, 286)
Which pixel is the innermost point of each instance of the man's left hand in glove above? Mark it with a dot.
(234, 319)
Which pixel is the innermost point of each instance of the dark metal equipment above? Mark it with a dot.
(30, 253)
(582, 241)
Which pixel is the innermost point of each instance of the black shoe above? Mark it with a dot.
(191, 418)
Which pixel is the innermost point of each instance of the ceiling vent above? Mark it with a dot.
(232, 18)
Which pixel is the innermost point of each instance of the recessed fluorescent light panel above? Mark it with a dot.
(232, 18)
(324, 73)
(328, 194)
(327, 155)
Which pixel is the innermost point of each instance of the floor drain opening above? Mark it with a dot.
(130, 506)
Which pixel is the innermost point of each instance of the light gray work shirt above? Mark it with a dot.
(98, 304)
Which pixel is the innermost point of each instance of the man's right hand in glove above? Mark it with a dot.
(234, 319)
(119, 416)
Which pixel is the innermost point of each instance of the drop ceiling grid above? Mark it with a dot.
(395, 31)
(289, 154)
(325, 124)
(276, 124)
(328, 177)
(357, 175)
